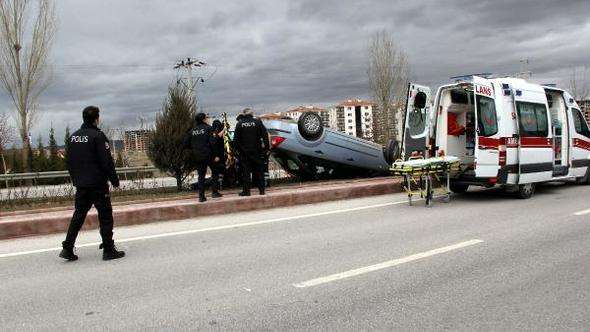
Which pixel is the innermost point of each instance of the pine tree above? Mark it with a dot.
(166, 148)
(119, 161)
(66, 140)
(39, 158)
(16, 160)
(55, 163)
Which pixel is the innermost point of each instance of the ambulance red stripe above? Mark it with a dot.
(582, 144)
(536, 142)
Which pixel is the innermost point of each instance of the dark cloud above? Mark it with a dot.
(271, 55)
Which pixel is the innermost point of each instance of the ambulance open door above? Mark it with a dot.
(416, 121)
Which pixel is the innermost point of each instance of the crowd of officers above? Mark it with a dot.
(250, 146)
(91, 167)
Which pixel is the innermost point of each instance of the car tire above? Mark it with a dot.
(392, 151)
(310, 126)
(525, 191)
(459, 188)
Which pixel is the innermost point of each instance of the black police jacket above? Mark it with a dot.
(89, 159)
(200, 140)
(251, 136)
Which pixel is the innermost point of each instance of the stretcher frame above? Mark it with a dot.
(418, 179)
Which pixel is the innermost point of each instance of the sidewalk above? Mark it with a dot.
(47, 222)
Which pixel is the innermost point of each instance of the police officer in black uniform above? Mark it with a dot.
(201, 141)
(91, 167)
(252, 142)
(219, 158)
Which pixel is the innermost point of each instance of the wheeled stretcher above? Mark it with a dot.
(419, 173)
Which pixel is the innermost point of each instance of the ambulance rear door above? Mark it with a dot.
(416, 121)
(487, 137)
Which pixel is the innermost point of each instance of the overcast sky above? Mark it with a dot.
(272, 55)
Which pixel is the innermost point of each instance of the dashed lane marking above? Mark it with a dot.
(384, 265)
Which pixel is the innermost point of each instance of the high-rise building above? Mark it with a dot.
(136, 140)
(353, 117)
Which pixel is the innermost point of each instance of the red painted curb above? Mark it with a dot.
(133, 214)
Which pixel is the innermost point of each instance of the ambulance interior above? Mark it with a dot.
(455, 129)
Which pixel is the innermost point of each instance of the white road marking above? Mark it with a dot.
(581, 213)
(210, 229)
(384, 265)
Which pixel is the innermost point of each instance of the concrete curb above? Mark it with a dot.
(133, 214)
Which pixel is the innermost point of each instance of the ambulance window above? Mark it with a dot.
(458, 97)
(417, 117)
(487, 123)
(533, 119)
(580, 123)
(417, 121)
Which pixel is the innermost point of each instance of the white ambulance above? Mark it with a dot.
(506, 131)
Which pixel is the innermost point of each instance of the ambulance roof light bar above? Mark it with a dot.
(469, 77)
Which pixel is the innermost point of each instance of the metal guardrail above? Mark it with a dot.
(65, 174)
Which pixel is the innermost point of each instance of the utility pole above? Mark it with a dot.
(188, 65)
(524, 69)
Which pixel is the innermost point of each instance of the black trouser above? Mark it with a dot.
(253, 171)
(85, 199)
(202, 172)
(217, 172)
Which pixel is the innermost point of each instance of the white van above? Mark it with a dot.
(506, 131)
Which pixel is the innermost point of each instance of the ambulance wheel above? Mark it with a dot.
(584, 179)
(526, 191)
(459, 188)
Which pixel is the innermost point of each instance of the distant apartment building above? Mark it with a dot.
(585, 108)
(297, 112)
(136, 140)
(353, 117)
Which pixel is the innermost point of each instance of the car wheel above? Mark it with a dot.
(526, 191)
(310, 126)
(392, 151)
(459, 188)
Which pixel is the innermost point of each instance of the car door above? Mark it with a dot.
(416, 121)
(487, 156)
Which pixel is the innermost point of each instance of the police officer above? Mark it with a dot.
(200, 140)
(219, 157)
(252, 142)
(91, 167)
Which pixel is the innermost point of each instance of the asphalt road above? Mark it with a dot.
(485, 261)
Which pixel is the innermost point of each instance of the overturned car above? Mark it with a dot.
(306, 149)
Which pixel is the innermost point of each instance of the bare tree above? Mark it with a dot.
(579, 85)
(6, 137)
(388, 77)
(24, 69)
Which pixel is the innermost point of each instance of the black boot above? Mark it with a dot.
(244, 193)
(216, 194)
(261, 191)
(110, 252)
(68, 252)
(202, 197)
